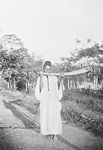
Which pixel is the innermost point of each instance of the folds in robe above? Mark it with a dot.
(50, 106)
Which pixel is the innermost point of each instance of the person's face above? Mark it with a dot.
(47, 69)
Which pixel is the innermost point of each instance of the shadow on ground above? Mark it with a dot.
(6, 144)
(28, 124)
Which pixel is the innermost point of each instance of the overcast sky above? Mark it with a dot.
(51, 27)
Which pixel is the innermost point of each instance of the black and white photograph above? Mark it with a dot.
(51, 74)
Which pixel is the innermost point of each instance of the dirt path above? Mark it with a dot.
(22, 132)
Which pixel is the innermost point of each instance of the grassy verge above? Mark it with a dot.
(27, 101)
(84, 111)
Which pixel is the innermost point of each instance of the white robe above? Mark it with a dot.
(50, 106)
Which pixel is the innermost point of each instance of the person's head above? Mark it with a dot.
(47, 66)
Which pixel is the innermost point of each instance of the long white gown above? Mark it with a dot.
(50, 105)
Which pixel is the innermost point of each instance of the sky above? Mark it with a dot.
(50, 27)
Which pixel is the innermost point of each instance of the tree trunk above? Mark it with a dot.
(26, 86)
(71, 84)
(14, 84)
(95, 82)
(68, 84)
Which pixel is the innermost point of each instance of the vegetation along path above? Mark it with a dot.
(20, 130)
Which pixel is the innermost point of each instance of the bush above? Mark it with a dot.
(81, 109)
(95, 93)
(95, 126)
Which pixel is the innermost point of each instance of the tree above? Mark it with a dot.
(85, 55)
(10, 42)
(91, 56)
(17, 64)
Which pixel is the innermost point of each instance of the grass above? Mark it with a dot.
(84, 111)
(27, 101)
(88, 102)
(79, 109)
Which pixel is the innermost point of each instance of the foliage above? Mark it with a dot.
(83, 111)
(17, 64)
(89, 51)
(88, 98)
(10, 42)
(95, 126)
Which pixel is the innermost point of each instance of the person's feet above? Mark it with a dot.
(52, 136)
(55, 137)
(48, 136)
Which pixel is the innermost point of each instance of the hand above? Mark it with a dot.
(61, 75)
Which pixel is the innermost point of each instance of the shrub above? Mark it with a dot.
(95, 126)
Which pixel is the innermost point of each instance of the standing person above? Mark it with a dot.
(49, 92)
